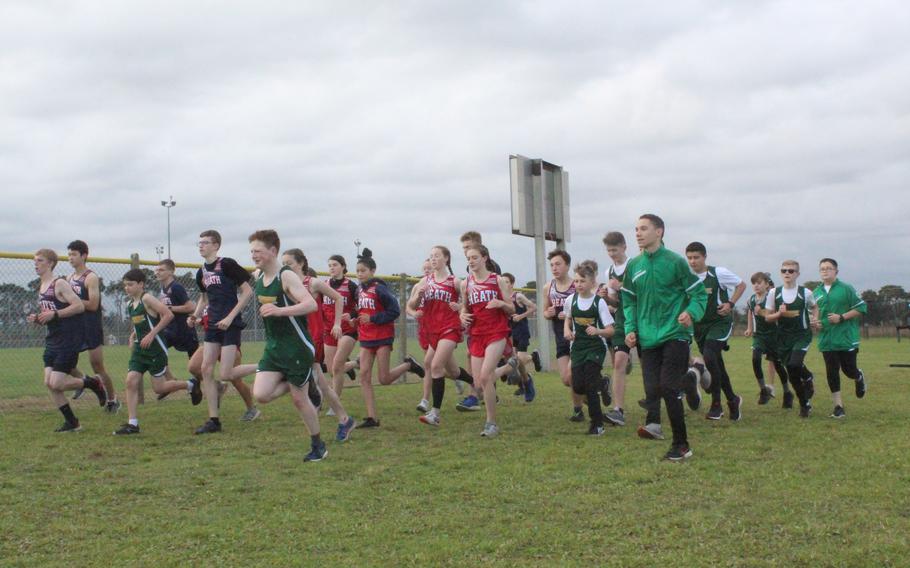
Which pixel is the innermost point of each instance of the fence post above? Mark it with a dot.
(403, 318)
(134, 260)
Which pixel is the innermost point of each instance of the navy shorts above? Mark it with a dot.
(231, 336)
(563, 347)
(521, 343)
(59, 360)
(94, 336)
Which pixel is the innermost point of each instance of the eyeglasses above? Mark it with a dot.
(788, 271)
(203, 243)
(826, 269)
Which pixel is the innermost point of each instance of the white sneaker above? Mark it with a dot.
(424, 406)
(490, 430)
(430, 418)
(459, 387)
(330, 412)
(651, 432)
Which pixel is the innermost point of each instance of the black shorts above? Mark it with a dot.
(61, 361)
(521, 343)
(231, 336)
(563, 347)
(93, 338)
(622, 347)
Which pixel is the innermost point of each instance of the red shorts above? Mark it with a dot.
(423, 338)
(318, 343)
(477, 347)
(433, 339)
(329, 340)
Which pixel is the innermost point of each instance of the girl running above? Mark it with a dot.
(378, 309)
(764, 339)
(437, 296)
(555, 293)
(488, 306)
(338, 349)
(297, 261)
(414, 308)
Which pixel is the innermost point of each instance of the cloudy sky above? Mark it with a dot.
(767, 130)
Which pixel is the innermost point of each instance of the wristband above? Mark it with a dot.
(842, 318)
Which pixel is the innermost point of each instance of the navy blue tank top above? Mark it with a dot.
(91, 320)
(218, 281)
(65, 334)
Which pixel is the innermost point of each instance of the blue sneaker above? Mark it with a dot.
(317, 453)
(344, 430)
(530, 391)
(469, 404)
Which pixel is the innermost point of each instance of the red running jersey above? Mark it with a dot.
(347, 301)
(438, 315)
(314, 319)
(486, 322)
(368, 303)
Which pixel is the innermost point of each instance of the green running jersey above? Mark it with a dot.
(587, 347)
(143, 322)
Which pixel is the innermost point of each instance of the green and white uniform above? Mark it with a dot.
(793, 331)
(288, 347)
(764, 333)
(619, 318)
(588, 312)
(719, 283)
(662, 282)
(839, 298)
(152, 360)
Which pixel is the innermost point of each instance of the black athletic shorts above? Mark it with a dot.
(563, 347)
(59, 360)
(521, 343)
(231, 336)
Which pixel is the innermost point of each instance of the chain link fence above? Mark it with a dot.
(22, 343)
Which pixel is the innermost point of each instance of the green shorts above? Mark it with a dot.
(765, 344)
(296, 365)
(787, 344)
(718, 331)
(151, 361)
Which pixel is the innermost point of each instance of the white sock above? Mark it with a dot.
(189, 385)
(134, 422)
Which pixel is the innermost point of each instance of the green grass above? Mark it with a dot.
(770, 490)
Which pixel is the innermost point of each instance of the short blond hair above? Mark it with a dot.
(48, 255)
(790, 263)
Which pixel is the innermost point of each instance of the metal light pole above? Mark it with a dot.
(167, 205)
(357, 244)
(160, 250)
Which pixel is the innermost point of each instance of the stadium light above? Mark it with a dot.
(167, 205)
(160, 250)
(357, 244)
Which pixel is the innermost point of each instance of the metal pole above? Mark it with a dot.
(403, 318)
(540, 264)
(169, 232)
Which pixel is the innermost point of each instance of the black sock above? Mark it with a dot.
(439, 390)
(576, 408)
(464, 376)
(215, 419)
(316, 440)
(89, 382)
(68, 414)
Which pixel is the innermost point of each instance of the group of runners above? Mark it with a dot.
(654, 304)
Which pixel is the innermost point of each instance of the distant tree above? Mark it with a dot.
(531, 284)
(812, 284)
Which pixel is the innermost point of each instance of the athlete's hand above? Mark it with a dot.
(336, 331)
(782, 308)
(724, 309)
(418, 314)
(834, 319)
(466, 318)
(518, 317)
(495, 303)
(815, 324)
(32, 318)
(363, 318)
(569, 335)
(132, 339)
(455, 306)
(685, 319)
(46, 316)
(147, 340)
(748, 333)
(549, 313)
(226, 322)
(346, 317)
(562, 315)
(265, 310)
(591, 330)
(631, 340)
(191, 321)
(603, 291)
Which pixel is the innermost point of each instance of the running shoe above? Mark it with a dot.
(423, 406)
(788, 399)
(735, 407)
(430, 418)
(805, 411)
(369, 422)
(519, 391)
(651, 432)
(704, 377)
(616, 417)
(195, 392)
(315, 394)
(68, 427)
(95, 385)
(490, 430)
(535, 358)
(317, 453)
(513, 377)
(210, 427)
(678, 453)
(126, 430)
(416, 368)
(344, 430)
(716, 412)
(460, 386)
(690, 386)
(351, 374)
(250, 415)
(596, 430)
(765, 396)
(861, 385)
(605, 395)
(469, 404)
(577, 416)
(838, 412)
(809, 386)
(112, 406)
(77, 394)
(530, 390)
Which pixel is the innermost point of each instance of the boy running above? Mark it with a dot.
(790, 306)
(615, 243)
(839, 310)
(714, 329)
(764, 340)
(662, 300)
(555, 293)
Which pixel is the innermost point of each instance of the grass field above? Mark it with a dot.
(771, 490)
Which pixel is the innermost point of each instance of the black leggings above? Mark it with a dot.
(712, 350)
(757, 355)
(586, 380)
(797, 373)
(663, 369)
(835, 361)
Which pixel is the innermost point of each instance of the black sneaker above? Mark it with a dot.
(210, 427)
(351, 374)
(809, 386)
(195, 392)
(68, 427)
(788, 399)
(716, 412)
(163, 396)
(317, 453)
(519, 391)
(126, 429)
(77, 394)
(368, 422)
(616, 417)
(95, 385)
(314, 394)
(678, 453)
(535, 358)
(804, 411)
(577, 416)
(416, 367)
(596, 430)
(765, 396)
(605, 395)
(861, 385)
(838, 412)
(643, 403)
(113, 406)
(735, 407)
(693, 397)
